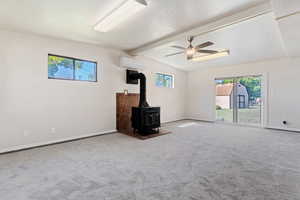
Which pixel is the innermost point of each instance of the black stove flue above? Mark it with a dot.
(145, 119)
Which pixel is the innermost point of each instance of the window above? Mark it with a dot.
(164, 80)
(65, 68)
(242, 101)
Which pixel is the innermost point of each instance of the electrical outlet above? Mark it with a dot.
(26, 133)
(53, 130)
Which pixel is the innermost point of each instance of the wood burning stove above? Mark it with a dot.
(145, 119)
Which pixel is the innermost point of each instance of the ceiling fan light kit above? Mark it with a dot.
(191, 51)
(211, 56)
(123, 12)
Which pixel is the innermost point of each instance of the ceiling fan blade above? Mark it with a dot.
(206, 44)
(178, 47)
(174, 54)
(207, 51)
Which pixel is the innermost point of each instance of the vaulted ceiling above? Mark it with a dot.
(74, 20)
(269, 34)
(255, 39)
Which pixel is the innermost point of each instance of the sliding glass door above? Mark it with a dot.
(249, 100)
(238, 100)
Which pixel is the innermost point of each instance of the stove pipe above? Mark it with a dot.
(143, 102)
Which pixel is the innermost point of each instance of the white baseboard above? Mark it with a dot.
(283, 129)
(200, 120)
(40, 144)
(170, 121)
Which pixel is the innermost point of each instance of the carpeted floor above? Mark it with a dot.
(197, 161)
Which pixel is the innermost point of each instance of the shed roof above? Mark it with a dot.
(224, 89)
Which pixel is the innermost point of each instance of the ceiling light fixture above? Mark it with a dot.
(124, 11)
(211, 56)
(190, 51)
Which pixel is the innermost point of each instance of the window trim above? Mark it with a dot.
(165, 74)
(74, 60)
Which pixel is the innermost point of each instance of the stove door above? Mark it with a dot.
(152, 118)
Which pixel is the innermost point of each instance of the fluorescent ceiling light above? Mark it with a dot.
(120, 14)
(211, 56)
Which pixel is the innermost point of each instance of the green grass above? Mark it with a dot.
(245, 116)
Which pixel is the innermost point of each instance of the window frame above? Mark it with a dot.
(165, 74)
(74, 60)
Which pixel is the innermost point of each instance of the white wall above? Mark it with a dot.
(281, 83)
(31, 105)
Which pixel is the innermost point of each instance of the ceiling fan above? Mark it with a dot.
(190, 51)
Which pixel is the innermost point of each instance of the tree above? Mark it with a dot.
(225, 81)
(253, 86)
(54, 62)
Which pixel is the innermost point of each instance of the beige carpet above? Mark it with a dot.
(197, 161)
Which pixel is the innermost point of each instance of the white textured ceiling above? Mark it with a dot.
(288, 18)
(285, 7)
(74, 19)
(252, 40)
